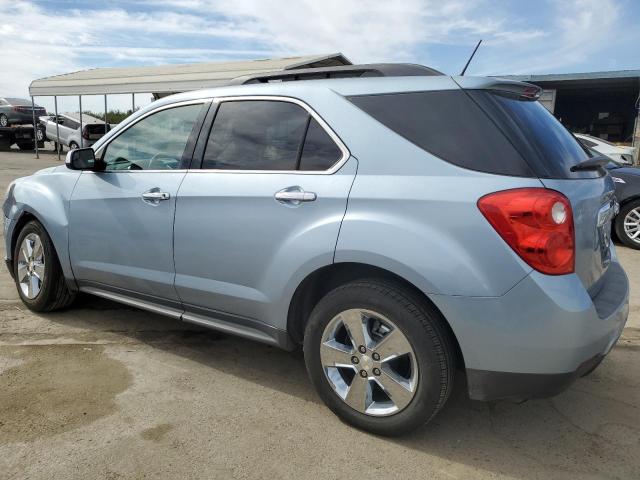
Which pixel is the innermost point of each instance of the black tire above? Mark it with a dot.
(54, 293)
(41, 135)
(619, 225)
(26, 146)
(73, 146)
(424, 328)
(4, 120)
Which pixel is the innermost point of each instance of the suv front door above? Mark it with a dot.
(121, 218)
(266, 205)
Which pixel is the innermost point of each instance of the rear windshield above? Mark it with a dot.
(96, 128)
(481, 130)
(549, 148)
(449, 125)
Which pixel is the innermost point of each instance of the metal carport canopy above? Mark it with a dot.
(165, 79)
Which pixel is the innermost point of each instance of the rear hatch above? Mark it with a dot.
(95, 131)
(498, 126)
(551, 151)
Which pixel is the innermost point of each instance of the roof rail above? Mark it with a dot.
(344, 71)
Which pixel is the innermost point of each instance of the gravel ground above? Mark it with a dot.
(105, 391)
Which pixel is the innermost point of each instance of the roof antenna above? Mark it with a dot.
(470, 58)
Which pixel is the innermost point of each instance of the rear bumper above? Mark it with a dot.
(535, 340)
(485, 385)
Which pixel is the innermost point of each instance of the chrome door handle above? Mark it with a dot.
(155, 196)
(294, 196)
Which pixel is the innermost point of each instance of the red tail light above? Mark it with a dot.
(85, 133)
(537, 224)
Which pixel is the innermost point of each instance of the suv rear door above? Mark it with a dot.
(265, 207)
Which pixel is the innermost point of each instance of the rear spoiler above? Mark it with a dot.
(503, 86)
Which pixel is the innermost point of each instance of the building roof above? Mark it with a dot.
(171, 78)
(588, 77)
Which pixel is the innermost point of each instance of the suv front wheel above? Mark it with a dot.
(37, 272)
(379, 356)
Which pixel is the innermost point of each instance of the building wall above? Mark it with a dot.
(548, 99)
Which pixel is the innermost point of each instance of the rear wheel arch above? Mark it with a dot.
(320, 282)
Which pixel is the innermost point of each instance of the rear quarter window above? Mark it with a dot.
(449, 125)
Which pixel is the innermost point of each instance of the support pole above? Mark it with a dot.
(55, 106)
(133, 103)
(35, 126)
(105, 114)
(81, 135)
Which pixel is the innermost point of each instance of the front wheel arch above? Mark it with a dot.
(25, 218)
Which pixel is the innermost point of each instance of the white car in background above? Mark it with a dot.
(623, 155)
(68, 126)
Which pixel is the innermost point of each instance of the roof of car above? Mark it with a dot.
(342, 86)
(17, 101)
(85, 118)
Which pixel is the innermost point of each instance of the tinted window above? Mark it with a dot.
(449, 125)
(319, 152)
(72, 124)
(256, 135)
(156, 142)
(547, 145)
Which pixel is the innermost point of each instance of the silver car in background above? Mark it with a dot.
(67, 125)
(398, 224)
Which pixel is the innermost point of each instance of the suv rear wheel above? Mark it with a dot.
(37, 272)
(627, 224)
(379, 357)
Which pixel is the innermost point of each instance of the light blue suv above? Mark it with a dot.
(397, 223)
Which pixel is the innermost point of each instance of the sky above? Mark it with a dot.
(42, 38)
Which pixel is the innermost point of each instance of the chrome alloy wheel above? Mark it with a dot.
(369, 362)
(632, 225)
(31, 266)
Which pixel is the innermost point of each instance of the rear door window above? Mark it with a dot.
(449, 125)
(69, 123)
(256, 135)
(268, 135)
(320, 152)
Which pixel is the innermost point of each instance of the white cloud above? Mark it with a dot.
(40, 41)
(579, 29)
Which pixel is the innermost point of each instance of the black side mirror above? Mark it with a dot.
(81, 159)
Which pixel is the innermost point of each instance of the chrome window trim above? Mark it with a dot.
(279, 98)
(100, 151)
(217, 100)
